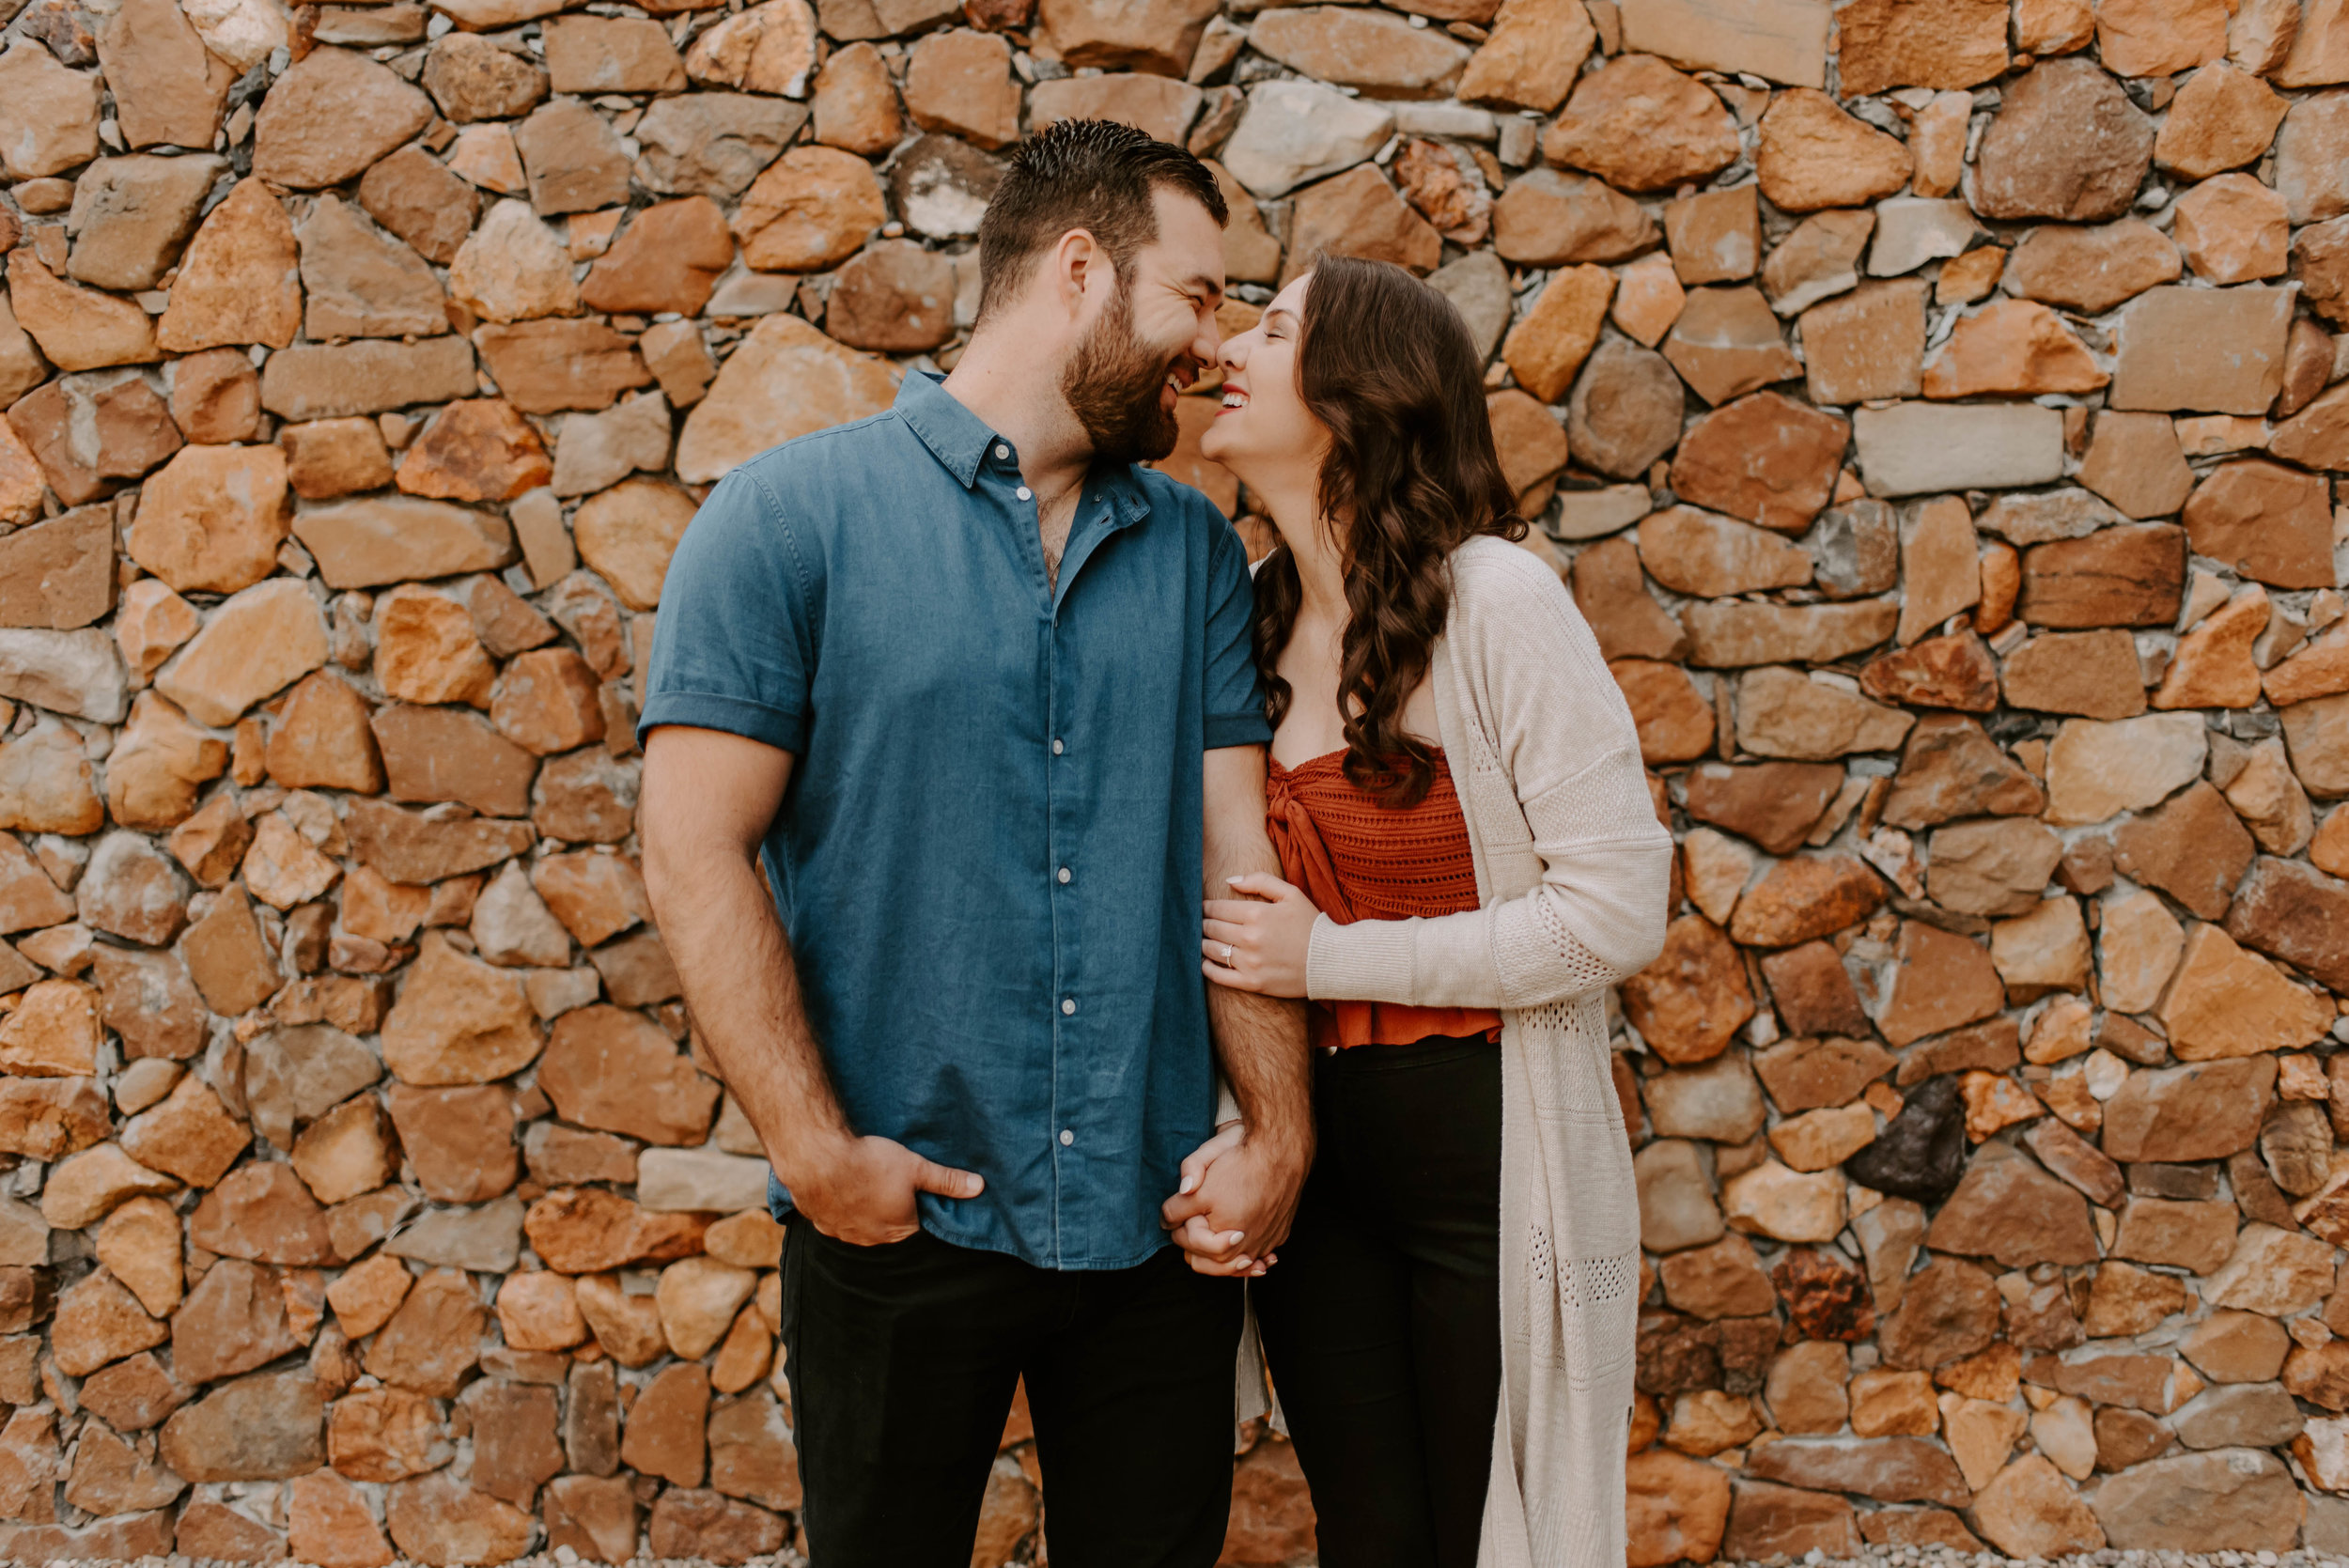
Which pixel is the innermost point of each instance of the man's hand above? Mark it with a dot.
(1237, 1200)
(862, 1190)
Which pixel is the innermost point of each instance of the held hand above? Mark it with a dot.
(1238, 1211)
(1258, 942)
(864, 1192)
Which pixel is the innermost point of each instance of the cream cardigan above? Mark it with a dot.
(1571, 870)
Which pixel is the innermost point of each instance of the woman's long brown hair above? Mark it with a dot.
(1386, 363)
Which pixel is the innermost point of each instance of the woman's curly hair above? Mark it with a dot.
(1387, 366)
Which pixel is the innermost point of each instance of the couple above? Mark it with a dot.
(989, 705)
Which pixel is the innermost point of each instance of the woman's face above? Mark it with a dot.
(1264, 424)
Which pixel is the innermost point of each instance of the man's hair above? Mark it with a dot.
(1089, 174)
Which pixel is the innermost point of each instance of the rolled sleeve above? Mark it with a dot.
(732, 649)
(1234, 709)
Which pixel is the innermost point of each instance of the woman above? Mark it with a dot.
(1470, 858)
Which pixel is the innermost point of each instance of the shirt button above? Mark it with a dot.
(1067, 1138)
(1023, 492)
(1003, 451)
(1068, 1005)
(1063, 874)
(1058, 748)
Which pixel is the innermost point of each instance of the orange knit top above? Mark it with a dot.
(1357, 860)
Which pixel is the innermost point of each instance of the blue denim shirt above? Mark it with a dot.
(989, 860)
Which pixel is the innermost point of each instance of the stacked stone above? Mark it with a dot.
(1932, 404)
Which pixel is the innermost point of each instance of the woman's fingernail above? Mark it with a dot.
(1188, 1182)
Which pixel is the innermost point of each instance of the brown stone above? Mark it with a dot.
(473, 78)
(1625, 617)
(855, 102)
(1867, 344)
(1550, 343)
(1805, 897)
(1812, 154)
(2012, 347)
(1641, 126)
(1949, 45)
(2268, 521)
(1624, 412)
(547, 366)
(477, 449)
(439, 1519)
(328, 1523)
(1773, 804)
(2195, 1500)
(2161, 364)
(431, 1341)
(1727, 342)
(1956, 671)
(1675, 721)
(811, 208)
(515, 1450)
(1767, 1520)
(46, 784)
(2066, 143)
(263, 1427)
(770, 48)
(459, 1141)
(785, 380)
(1995, 867)
(2192, 848)
(2204, 1112)
(1690, 1002)
(263, 1212)
(1950, 1309)
(457, 1021)
(2125, 576)
(159, 764)
(189, 1135)
(610, 1070)
(1765, 458)
(665, 1427)
(2224, 1001)
(1547, 218)
(78, 329)
(667, 260)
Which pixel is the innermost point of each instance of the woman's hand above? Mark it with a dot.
(1207, 1250)
(1258, 942)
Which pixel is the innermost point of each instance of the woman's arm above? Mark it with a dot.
(1567, 743)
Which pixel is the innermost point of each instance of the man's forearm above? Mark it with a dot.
(735, 960)
(1259, 1040)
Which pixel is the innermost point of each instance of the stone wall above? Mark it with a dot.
(1926, 400)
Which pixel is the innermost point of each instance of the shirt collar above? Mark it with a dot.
(956, 437)
(960, 439)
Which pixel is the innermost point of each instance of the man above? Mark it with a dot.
(977, 688)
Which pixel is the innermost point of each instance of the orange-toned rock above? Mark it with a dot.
(612, 1069)
(321, 739)
(433, 1340)
(1812, 154)
(1640, 125)
(263, 1212)
(1727, 342)
(189, 1135)
(2268, 521)
(811, 208)
(328, 1523)
(2214, 667)
(457, 1021)
(159, 764)
(425, 649)
(1885, 44)
(212, 518)
(855, 102)
(668, 260)
(478, 449)
(365, 1297)
(539, 1310)
(2012, 347)
(254, 645)
(239, 282)
(2160, 38)
(2232, 229)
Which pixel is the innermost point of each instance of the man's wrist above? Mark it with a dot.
(816, 1160)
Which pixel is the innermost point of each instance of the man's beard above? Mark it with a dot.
(1112, 385)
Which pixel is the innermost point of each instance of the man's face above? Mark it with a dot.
(1151, 338)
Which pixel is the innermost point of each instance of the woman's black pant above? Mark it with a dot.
(1382, 1320)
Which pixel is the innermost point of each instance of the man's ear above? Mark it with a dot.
(1083, 269)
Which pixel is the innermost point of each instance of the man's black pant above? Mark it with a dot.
(1381, 1321)
(903, 1360)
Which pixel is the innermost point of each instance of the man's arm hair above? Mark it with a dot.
(708, 800)
(1259, 1040)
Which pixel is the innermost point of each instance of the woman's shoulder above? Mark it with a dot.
(1489, 572)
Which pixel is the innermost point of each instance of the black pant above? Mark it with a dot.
(903, 1360)
(1382, 1320)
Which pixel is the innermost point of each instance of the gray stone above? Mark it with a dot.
(1478, 286)
(700, 1179)
(1922, 448)
(131, 215)
(2238, 1415)
(1295, 131)
(486, 1239)
(76, 673)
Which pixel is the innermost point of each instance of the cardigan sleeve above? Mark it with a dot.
(1557, 721)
